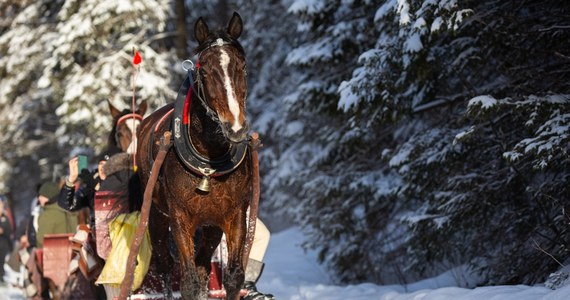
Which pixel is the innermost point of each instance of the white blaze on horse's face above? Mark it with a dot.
(230, 93)
(133, 125)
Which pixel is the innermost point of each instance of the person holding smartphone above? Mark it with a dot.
(80, 185)
(78, 193)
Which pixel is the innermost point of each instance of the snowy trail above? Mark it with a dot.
(292, 274)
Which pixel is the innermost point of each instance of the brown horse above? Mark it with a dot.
(210, 152)
(126, 122)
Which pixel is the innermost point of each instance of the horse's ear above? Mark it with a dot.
(114, 111)
(142, 108)
(201, 30)
(235, 26)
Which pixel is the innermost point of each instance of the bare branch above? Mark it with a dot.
(536, 246)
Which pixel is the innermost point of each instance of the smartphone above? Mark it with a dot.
(81, 162)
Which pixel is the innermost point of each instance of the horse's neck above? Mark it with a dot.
(205, 133)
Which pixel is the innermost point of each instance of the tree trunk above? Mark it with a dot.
(222, 12)
(181, 34)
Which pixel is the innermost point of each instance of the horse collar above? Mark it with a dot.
(193, 160)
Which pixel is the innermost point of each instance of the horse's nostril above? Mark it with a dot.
(235, 135)
(228, 127)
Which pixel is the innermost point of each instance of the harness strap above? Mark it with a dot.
(166, 115)
(254, 200)
(127, 283)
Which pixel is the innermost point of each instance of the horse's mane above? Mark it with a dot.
(216, 35)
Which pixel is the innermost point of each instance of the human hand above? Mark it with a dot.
(24, 243)
(73, 169)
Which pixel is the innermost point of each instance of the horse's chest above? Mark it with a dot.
(227, 192)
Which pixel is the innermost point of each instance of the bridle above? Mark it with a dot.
(127, 116)
(198, 85)
(123, 119)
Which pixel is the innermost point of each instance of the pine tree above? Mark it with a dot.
(59, 63)
(490, 173)
(398, 87)
(338, 185)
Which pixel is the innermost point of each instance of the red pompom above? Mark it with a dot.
(137, 59)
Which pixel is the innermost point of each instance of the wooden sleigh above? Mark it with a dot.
(62, 255)
(48, 266)
(57, 251)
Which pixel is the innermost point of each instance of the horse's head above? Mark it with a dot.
(126, 123)
(221, 76)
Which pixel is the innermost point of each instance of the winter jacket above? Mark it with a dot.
(118, 169)
(32, 226)
(54, 219)
(120, 178)
(72, 200)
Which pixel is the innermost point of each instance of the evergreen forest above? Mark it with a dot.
(405, 137)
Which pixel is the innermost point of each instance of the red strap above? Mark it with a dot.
(129, 116)
(166, 115)
(185, 117)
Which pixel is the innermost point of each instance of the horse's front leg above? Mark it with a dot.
(209, 240)
(234, 274)
(158, 229)
(191, 285)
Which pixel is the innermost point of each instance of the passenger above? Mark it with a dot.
(32, 226)
(116, 193)
(5, 238)
(53, 219)
(79, 193)
(255, 263)
(84, 196)
(27, 242)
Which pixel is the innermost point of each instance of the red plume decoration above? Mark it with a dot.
(137, 59)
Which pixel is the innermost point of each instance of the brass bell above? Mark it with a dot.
(204, 184)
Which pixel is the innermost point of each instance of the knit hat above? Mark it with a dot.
(49, 190)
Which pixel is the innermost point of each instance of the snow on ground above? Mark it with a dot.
(293, 274)
(10, 293)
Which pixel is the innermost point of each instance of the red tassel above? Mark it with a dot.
(137, 59)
